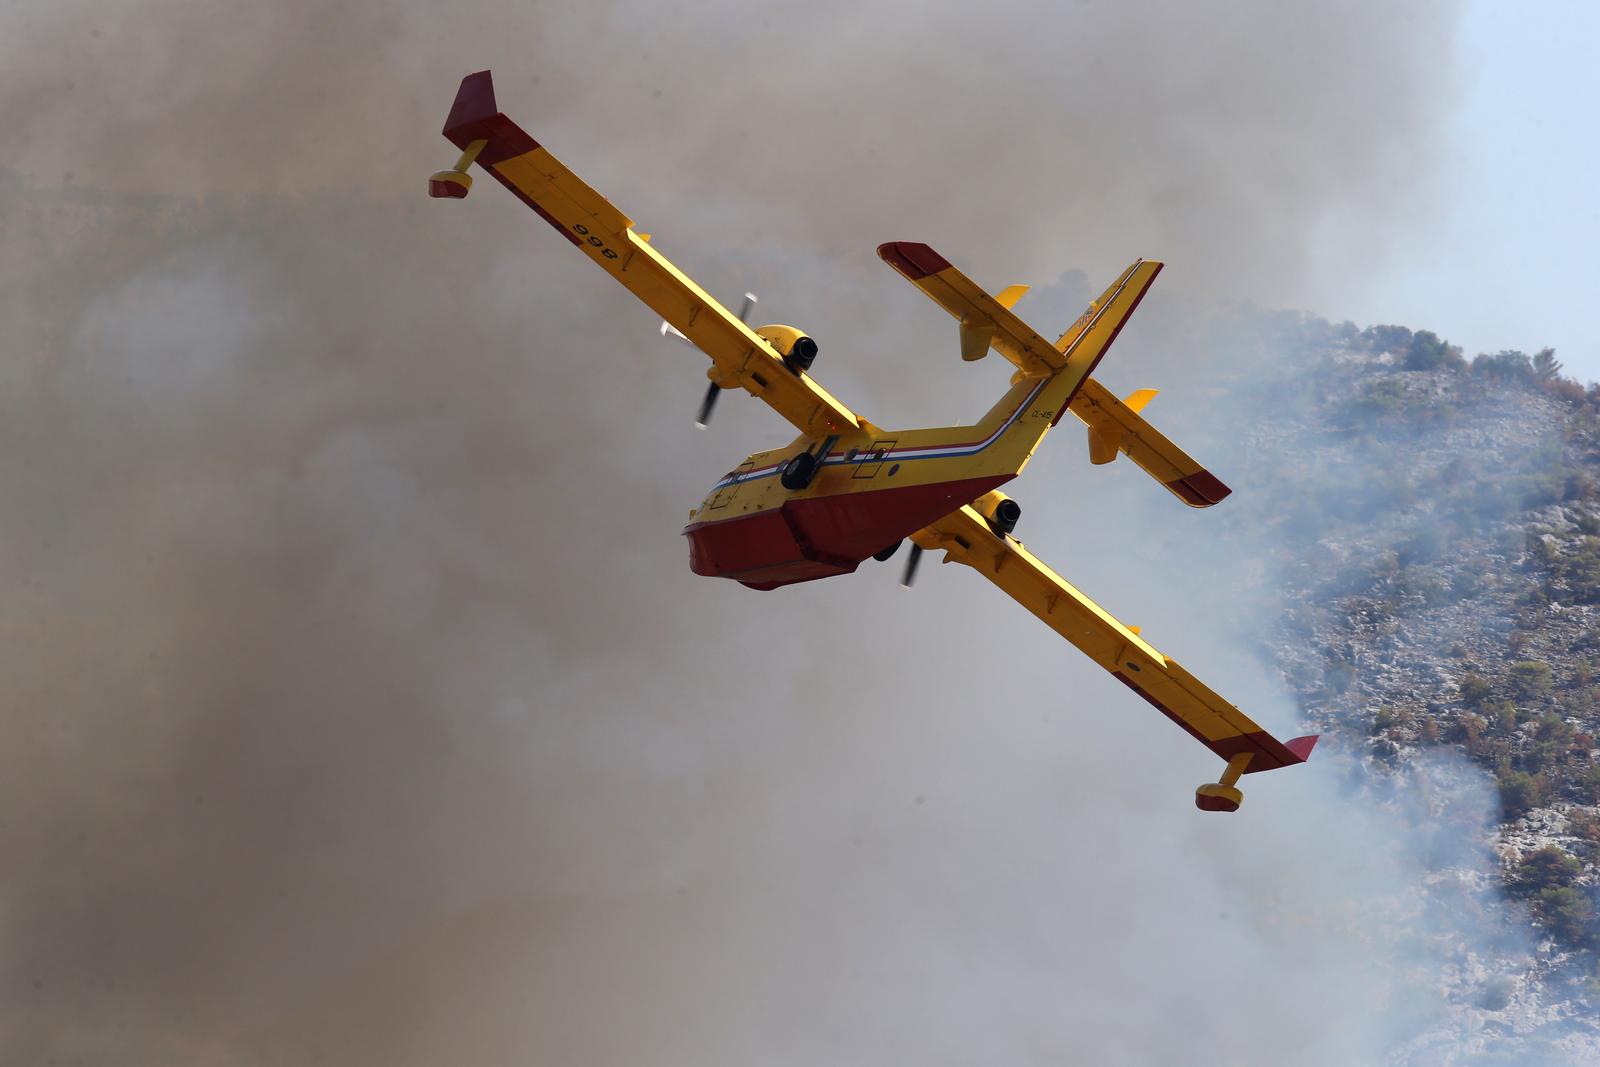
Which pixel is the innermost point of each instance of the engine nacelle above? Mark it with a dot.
(798, 350)
(999, 510)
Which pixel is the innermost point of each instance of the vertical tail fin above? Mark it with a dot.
(1048, 375)
(1081, 348)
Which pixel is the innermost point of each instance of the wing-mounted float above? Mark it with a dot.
(845, 491)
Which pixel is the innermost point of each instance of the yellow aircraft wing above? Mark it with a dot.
(739, 357)
(966, 537)
(1115, 426)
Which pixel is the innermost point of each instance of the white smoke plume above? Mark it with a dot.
(360, 704)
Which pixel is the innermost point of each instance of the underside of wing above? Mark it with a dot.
(966, 537)
(590, 222)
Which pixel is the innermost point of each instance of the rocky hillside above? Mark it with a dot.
(1437, 525)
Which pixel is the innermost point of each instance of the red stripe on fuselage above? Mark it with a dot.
(818, 536)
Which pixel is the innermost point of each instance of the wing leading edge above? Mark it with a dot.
(966, 538)
(740, 358)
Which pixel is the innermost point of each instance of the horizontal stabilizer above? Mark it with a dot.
(1008, 297)
(1116, 427)
(981, 315)
(1137, 399)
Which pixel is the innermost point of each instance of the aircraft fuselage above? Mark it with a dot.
(861, 501)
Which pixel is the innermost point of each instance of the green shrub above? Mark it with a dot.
(1580, 568)
(1506, 366)
(1585, 825)
(1505, 716)
(1520, 793)
(1475, 691)
(1531, 679)
(1568, 913)
(1541, 547)
(1552, 741)
(1545, 365)
(1427, 352)
(1385, 396)
(1542, 869)
(1386, 338)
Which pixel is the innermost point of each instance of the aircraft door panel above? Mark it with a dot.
(870, 461)
(725, 495)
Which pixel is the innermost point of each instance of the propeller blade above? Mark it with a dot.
(710, 402)
(911, 565)
(702, 419)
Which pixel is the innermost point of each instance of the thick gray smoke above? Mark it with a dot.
(360, 705)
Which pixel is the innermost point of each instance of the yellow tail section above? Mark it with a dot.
(1004, 440)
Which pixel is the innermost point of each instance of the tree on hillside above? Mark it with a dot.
(1520, 793)
(1568, 913)
(1427, 352)
(1545, 365)
(1508, 365)
(1386, 338)
(1545, 868)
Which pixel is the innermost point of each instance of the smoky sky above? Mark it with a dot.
(360, 705)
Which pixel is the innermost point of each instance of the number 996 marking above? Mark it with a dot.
(583, 231)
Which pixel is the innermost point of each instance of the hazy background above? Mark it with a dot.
(1505, 260)
(360, 704)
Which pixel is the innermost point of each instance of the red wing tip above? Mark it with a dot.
(474, 101)
(1302, 746)
(1200, 490)
(913, 259)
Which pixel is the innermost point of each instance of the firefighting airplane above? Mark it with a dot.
(845, 489)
